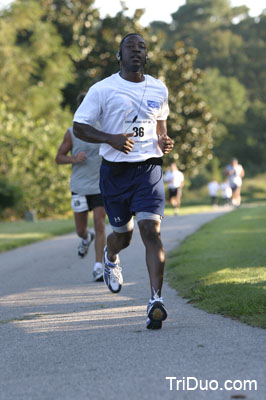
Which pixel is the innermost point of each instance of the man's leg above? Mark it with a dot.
(113, 277)
(178, 197)
(99, 227)
(155, 259)
(81, 222)
(116, 242)
(155, 254)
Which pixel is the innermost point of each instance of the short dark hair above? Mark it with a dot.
(125, 37)
(128, 35)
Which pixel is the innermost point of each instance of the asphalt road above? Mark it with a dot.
(62, 336)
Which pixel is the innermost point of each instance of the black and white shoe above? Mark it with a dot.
(112, 275)
(85, 244)
(156, 312)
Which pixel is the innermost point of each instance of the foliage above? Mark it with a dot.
(231, 52)
(190, 122)
(34, 66)
(10, 195)
(28, 151)
(51, 50)
(77, 23)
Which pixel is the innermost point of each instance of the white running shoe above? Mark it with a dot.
(85, 244)
(156, 313)
(113, 277)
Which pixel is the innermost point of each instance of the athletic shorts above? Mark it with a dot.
(172, 192)
(88, 202)
(133, 189)
(233, 186)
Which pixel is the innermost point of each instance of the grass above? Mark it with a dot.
(20, 233)
(222, 267)
(15, 234)
(187, 209)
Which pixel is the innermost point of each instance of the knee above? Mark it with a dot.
(81, 232)
(124, 239)
(150, 231)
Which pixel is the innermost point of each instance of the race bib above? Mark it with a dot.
(143, 134)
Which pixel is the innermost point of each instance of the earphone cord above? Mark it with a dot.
(136, 116)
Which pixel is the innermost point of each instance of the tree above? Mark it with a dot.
(28, 151)
(190, 122)
(247, 140)
(34, 65)
(228, 102)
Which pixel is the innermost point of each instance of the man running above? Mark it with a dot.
(127, 114)
(86, 195)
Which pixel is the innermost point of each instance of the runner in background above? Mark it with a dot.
(86, 195)
(175, 181)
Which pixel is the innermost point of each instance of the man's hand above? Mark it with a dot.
(165, 143)
(80, 157)
(122, 142)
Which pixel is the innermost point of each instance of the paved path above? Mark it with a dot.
(65, 337)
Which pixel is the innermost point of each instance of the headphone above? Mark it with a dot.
(119, 53)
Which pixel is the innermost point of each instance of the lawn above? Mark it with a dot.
(222, 267)
(15, 234)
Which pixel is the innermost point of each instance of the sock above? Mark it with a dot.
(97, 265)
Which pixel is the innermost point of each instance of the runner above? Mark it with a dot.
(86, 195)
(175, 181)
(127, 114)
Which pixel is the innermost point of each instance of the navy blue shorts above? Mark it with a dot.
(135, 189)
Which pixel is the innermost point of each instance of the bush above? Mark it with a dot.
(10, 195)
(27, 160)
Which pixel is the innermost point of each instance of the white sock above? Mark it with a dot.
(97, 265)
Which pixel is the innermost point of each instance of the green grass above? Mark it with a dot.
(15, 234)
(187, 209)
(254, 189)
(222, 267)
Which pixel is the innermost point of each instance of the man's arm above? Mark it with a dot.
(64, 148)
(87, 133)
(164, 141)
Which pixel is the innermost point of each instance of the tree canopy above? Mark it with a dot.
(211, 57)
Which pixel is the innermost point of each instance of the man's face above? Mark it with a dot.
(133, 53)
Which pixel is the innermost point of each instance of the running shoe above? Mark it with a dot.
(112, 274)
(85, 244)
(156, 313)
(98, 272)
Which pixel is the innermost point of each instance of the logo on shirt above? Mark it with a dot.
(153, 104)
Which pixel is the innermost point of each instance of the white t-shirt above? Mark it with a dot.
(173, 179)
(113, 103)
(213, 188)
(235, 174)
